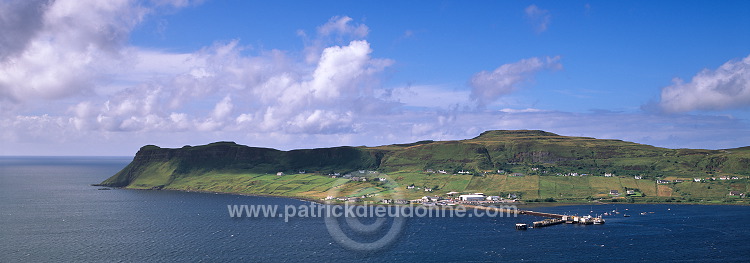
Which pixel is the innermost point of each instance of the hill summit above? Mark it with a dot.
(494, 134)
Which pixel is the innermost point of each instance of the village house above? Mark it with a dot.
(697, 180)
(279, 174)
(638, 177)
(428, 189)
(410, 187)
(442, 172)
(386, 201)
(493, 198)
(735, 193)
(614, 192)
(401, 202)
(608, 175)
(382, 179)
(630, 192)
(663, 181)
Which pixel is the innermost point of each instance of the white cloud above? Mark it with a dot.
(487, 87)
(152, 91)
(340, 25)
(67, 54)
(727, 87)
(337, 31)
(539, 18)
(223, 109)
(429, 96)
(20, 20)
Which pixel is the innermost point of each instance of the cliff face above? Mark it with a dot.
(167, 164)
(513, 151)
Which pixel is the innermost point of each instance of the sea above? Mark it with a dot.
(49, 212)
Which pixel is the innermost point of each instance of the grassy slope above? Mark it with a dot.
(539, 156)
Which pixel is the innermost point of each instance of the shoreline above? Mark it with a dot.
(523, 204)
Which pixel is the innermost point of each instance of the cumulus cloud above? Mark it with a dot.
(339, 30)
(83, 60)
(20, 20)
(486, 87)
(56, 49)
(68, 46)
(539, 18)
(726, 87)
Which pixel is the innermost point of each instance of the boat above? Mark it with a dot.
(521, 226)
(643, 213)
(626, 215)
(598, 220)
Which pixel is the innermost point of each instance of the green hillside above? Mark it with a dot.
(533, 165)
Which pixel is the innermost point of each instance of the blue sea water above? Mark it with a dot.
(50, 213)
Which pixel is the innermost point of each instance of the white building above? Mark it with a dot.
(474, 197)
(493, 198)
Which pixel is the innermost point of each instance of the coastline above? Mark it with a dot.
(521, 205)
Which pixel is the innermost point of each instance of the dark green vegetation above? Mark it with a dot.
(528, 164)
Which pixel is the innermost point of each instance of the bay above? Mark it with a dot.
(49, 212)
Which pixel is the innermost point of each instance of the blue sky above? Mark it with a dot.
(106, 77)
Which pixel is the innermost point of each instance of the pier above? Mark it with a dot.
(542, 214)
(552, 219)
(548, 222)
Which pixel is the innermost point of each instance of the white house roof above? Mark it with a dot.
(470, 196)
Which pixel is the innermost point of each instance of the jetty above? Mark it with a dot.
(548, 222)
(542, 214)
(552, 219)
